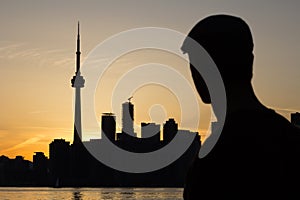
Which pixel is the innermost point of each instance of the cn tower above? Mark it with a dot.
(77, 83)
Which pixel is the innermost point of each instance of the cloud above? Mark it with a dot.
(34, 52)
(55, 51)
(8, 47)
(64, 62)
(24, 144)
(44, 128)
(58, 57)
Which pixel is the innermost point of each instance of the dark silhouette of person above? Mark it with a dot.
(257, 153)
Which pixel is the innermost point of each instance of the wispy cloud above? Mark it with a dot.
(7, 46)
(64, 62)
(24, 144)
(44, 57)
(66, 130)
(56, 57)
(52, 51)
(25, 53)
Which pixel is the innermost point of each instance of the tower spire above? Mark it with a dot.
(78, 28)
(78, 52)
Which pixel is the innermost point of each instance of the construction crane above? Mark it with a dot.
(129, 99)
(108, 114)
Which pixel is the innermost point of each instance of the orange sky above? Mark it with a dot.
(37, 61)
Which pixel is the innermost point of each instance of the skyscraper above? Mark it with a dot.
(128, 118)
(108, 125)
(295, 119)
(150, 130)
(77, 83)
(170, 129)
(40, 168)
(59, 155)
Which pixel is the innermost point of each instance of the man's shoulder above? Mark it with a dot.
(267, 116)
(282, 122)
(256, 113)
(265, 124)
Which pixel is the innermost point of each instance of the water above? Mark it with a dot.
(21, 193)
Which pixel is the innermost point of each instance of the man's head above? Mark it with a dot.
(229, 42)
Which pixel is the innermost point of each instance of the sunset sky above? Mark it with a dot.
(37, 61)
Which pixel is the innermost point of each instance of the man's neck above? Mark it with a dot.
(242, 98)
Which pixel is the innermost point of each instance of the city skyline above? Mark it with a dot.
(107, 127)
(37, 49)
(72, 163)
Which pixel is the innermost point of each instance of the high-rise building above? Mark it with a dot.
(170, 128)
(59, 155)
(108, 125)
(40, 162)
(77, 83)
(150, 130)
(295, 119)
(128, 118)
(40, 167)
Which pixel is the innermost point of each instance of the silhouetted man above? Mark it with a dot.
(257, 154)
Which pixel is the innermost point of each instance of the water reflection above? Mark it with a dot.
(77, 195)
(91, 193)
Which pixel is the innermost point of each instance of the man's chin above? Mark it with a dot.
(206, 100)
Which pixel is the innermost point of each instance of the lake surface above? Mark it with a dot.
(21, 193)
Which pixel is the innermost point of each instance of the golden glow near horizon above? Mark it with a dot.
(37, 61)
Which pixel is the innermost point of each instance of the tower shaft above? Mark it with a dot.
(77, 83)
(77, 117)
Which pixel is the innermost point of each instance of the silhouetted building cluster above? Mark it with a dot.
(67, 171)
(60, 170)
(295, 119)
(20, 172)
